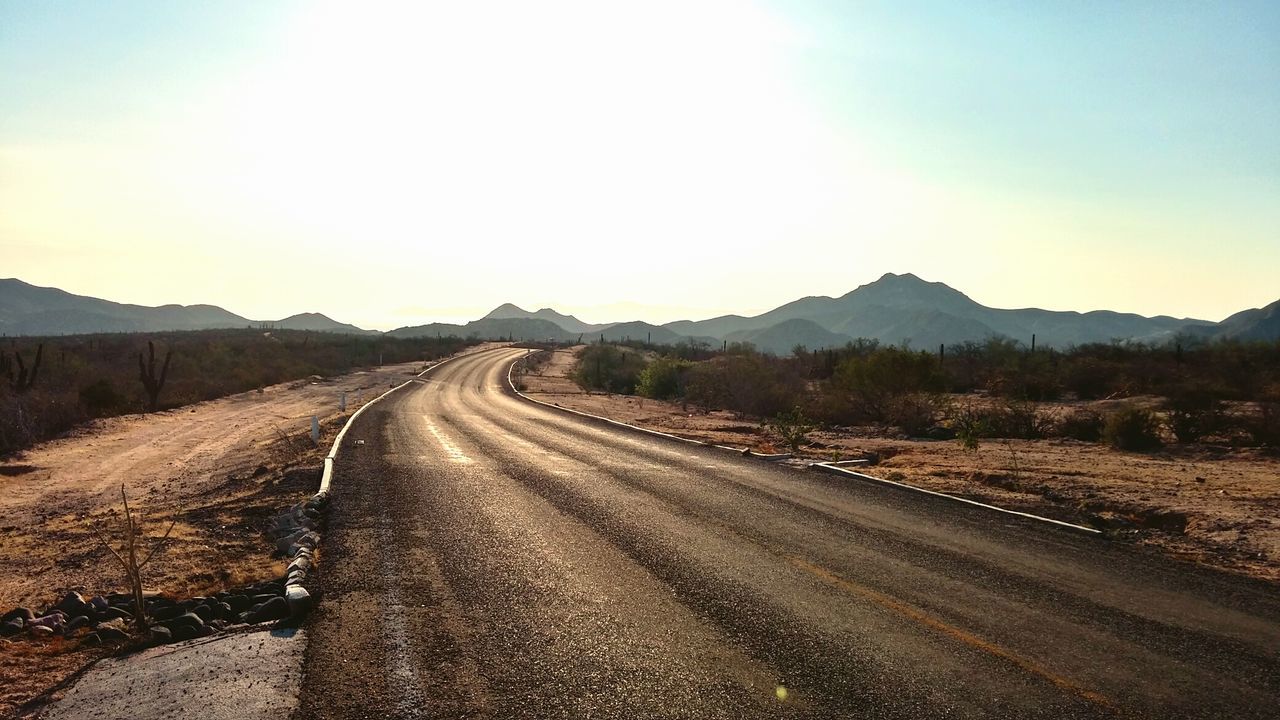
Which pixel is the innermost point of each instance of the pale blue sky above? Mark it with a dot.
(696, 158)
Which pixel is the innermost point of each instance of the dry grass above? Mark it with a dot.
(29, 668)
(215, 545)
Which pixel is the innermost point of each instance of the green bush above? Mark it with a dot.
(746, 383)
(793, 427)
(970, 425)
(868, 386)
(609, 369)
(663, 379)
(1132, 428)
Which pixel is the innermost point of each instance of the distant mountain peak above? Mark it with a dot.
(508, 310)
(910, 289)
(890, 277)
(908, 280)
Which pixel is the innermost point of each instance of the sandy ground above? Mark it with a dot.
(222, 468)
(178, 461)
(1214, 505)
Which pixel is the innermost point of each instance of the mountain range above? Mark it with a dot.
(896, 309)
(27, 309)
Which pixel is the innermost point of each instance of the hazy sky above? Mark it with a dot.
(391, 164)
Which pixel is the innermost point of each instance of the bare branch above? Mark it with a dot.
(158, 544)
(97, 531)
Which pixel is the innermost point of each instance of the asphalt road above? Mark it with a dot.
(488, 557)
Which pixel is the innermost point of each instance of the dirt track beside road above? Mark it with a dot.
(214, 456)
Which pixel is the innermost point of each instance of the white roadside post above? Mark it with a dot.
(315, 429)
(342, 402)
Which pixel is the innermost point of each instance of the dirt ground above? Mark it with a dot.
(211, 463)
(222, 468)
(1208, 504)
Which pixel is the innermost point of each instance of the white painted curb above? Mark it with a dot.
(836, 470)
(833, 468)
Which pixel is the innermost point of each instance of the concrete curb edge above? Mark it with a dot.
(835, 470)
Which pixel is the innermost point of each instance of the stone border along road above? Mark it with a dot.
(831, 468)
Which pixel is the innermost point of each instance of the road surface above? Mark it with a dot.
(492, 558)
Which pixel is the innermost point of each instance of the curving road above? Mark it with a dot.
(492, 558)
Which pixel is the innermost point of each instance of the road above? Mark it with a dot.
(492, 558)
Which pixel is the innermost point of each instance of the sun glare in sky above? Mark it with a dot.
(396, 163)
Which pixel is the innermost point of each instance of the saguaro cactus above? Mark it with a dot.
(25, 379)
(147, 374)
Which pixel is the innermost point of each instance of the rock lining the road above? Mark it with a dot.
(103, 619)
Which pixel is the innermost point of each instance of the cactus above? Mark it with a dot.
(25, 379)
(147, 374)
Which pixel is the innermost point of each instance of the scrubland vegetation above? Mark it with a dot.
(50, 385)
(1182, 392)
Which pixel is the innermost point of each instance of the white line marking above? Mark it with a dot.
(453, 451)
(399, 645)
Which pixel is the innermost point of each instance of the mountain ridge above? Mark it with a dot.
(894, 309)
(27, 309)
(569, 323)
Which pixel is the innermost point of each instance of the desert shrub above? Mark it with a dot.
(100, 398)
(663, 379)
(1019, 419)
(1090, 377)
(37, 415)
(793, 427)
(1267, 429)
(915, 413)
(1027, 376)
(1193, 413)
(1081, 424)
(969, 424)
(1255, 424)
(706, 385)
(747, 383)
(609, 368)
(867, 386)
(1132, 428)
(1012, 419)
